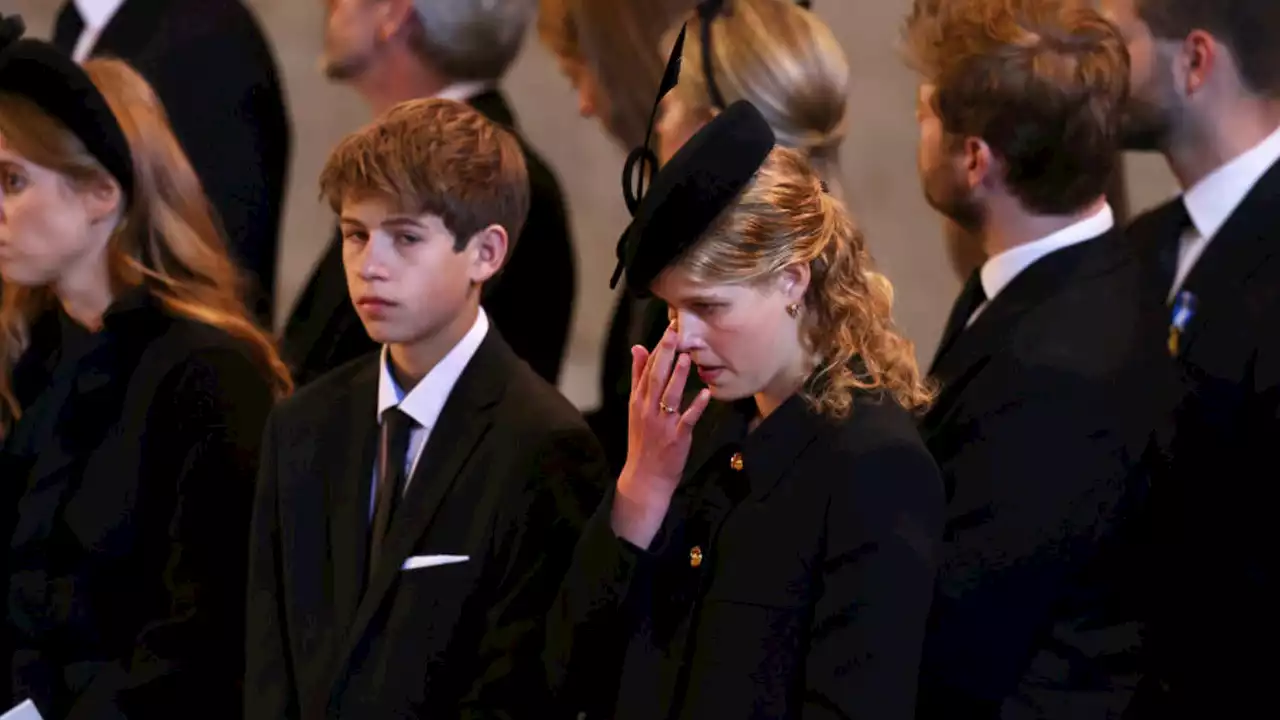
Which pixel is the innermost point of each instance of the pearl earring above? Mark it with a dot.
(793, 310)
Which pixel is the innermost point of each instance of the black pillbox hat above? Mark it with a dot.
(59, 86)
(705, 177)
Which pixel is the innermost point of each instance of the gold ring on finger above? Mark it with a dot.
(666, 408)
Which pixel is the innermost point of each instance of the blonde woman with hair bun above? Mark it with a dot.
(134, 388)
(779, 56)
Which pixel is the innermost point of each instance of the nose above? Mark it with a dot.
(688, 333)
(372, 264)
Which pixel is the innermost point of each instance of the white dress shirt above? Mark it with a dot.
(96, 14)
(1211, 201)
(425, 401)
(1000, 270)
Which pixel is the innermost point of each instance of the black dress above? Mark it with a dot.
(132, 470)
(792, 577)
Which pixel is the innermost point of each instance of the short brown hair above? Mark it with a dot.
(1250, 28)
(1042, 82)
(437, 157)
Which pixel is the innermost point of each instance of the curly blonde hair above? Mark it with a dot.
(784, 218)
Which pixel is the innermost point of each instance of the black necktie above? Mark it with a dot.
(970, 299)
(1170, 242)
(392, 449)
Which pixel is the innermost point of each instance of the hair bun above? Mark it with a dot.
(11, 30)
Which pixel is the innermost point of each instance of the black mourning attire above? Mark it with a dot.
(212, 67)
(134, 459)
(507, 478)
(1215, 581)
(1043, 431)
(530, 301)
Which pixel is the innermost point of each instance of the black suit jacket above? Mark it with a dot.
(212, 67)
(134, 462)
(1214, 620)
(507, 478)
(531, 300)
(816, 573)
(1042, 430)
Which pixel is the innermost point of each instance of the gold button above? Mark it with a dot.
(695, 556)
(735, 462)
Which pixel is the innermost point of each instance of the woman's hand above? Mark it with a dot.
(659, 435)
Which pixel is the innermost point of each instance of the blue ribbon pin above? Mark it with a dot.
(1184, 308)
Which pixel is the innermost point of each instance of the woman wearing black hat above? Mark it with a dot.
(779, 562)
(133, 392)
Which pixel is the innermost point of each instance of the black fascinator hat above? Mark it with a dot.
(689, 193)
(57, 85)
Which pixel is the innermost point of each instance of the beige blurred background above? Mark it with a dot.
(879, 163)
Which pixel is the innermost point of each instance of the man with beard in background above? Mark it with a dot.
(390, 51)
(1206, 95)
(1047, 370)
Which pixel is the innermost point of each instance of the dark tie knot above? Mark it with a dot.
(397, 423)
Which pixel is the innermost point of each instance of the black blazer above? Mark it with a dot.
(134, 461)
(531, 300)
(1218, 579)
(508, 476)
(818, 543)
(1042, 430)
(212, 67)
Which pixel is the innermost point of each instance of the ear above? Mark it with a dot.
(488, 250)
(978, 161)
(1200, 54)
(103, 200)
(394, 16)
(794, 282)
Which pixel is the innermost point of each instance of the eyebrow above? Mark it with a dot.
(400, 221)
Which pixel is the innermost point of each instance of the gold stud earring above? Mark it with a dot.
(793, 310)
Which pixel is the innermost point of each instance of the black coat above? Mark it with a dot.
(212, 67)
(134, 462)
(507, 478)
(816, 572)
(1214, 625)
(1042, 429)
(530, 301)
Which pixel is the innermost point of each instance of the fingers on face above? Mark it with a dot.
(695, 410)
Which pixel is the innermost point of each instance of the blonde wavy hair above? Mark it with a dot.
(168, 240)
(783, 59)
(783, 218)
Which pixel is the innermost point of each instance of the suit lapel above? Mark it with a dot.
(1243, 244)
(966, 303)
(352, 446)
(134, 26)
(991, 331)
(464, 421)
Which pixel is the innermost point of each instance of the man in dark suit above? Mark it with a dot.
(211, 65)
(418, 507)
(1206, 94)
(397, 50)
(1046, 373)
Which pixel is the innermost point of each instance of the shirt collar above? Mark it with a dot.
(464, 91)
(1212, 200)
(1000, 270)
(97, 13)
(426, 400)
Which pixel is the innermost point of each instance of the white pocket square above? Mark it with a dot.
(426, 561)
(25, 711)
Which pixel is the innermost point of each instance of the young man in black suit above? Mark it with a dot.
(212, 67)
(1046, 371)
(396, 50)
(417, 508)
(1206, 94)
